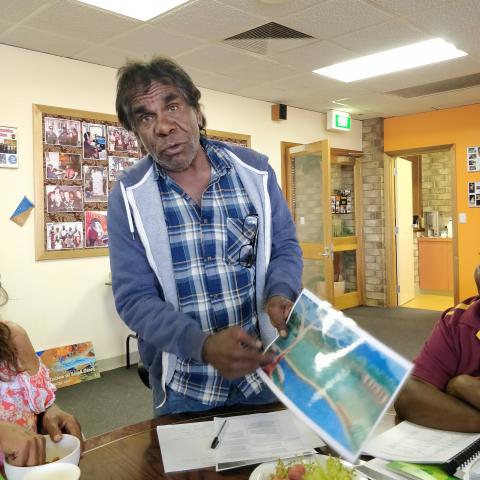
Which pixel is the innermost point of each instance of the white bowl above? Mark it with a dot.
(67, 449)
(54, 471)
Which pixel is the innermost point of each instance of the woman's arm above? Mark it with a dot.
(26, 356)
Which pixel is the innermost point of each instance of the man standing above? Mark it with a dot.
(204, 257)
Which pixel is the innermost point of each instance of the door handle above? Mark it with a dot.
(326, 252)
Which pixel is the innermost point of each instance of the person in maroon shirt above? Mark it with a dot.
(444, 390)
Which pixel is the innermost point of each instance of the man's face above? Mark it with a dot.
(167, 126)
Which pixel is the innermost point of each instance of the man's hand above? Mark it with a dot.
(278, 308)
(55, 421)
(234, 353)
(21, 447)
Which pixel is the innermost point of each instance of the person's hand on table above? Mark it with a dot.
(234, 353)
(55, 421)
(21, 447)
(278, 309)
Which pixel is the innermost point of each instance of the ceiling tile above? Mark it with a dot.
(272, 11)
(147, 41)
(79, 21)
(264, 92)
(16, 10)
(41, 41)
(262, 71)
(443, 100)
(374, 101)
(215, 81)
(103, 56)
(385, 36)
(216, 58)
(410, 8)
(457, 67)
(336, 17)
(4, 26)
(394, 81)
(312, 84)
(448, 17)
(466, 39)
(317, 55)
(206, 19)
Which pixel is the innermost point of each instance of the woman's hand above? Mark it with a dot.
(26, 357)
(55, 421)
(21, 447)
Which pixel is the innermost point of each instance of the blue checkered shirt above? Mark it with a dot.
(213, 287)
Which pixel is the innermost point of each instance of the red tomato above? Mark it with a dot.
(296, 472)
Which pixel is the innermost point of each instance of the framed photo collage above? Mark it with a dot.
(78, 156)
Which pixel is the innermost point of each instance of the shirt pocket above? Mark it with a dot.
(236, 240)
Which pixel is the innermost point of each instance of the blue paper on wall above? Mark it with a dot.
(22, 212)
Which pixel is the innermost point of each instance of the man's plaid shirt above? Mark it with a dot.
(212, 286)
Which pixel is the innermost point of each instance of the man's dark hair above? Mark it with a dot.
(135, 76)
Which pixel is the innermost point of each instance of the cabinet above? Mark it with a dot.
(435, 263)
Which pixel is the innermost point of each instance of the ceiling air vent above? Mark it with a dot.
(437, 87)
(269, 38)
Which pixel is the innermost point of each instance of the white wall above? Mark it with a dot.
(67, 301)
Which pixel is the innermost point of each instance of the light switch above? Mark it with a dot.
(302, 220)
(462, 218)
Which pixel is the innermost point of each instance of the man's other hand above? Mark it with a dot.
(55, 421)
(278, 308)
(234, 353)
(21, 447)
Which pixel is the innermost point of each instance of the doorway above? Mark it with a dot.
(323, 190)
(420, 207)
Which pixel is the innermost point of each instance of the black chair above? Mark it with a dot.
(131, 335)
(143, 374)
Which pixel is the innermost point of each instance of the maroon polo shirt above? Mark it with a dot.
(453, 347)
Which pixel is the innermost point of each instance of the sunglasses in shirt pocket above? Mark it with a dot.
(236, 240)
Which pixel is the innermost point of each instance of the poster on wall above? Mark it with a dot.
(474, 194)
(341, 201)
(473, 159)
(70, 364)
(8, 147)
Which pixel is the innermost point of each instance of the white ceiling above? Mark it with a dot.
(193, 35)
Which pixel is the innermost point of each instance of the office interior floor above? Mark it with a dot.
(430, 302)
(119, 398)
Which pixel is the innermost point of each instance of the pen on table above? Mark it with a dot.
(216, 440)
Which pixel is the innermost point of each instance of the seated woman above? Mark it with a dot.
(26, 393)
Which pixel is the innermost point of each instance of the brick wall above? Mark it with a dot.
(373, 212)
(437, 186)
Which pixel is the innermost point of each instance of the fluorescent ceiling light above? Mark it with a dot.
(395, 60)
(139, 9)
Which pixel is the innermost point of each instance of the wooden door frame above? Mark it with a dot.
(389, 204)
(286, 167)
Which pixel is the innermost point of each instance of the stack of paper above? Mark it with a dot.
(245, 440)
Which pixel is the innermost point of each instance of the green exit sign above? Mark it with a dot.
(338, 121)
(342, 121)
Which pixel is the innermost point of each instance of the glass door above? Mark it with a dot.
(308, 187)
(345, 207)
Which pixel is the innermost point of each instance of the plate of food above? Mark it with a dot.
(311, 467)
